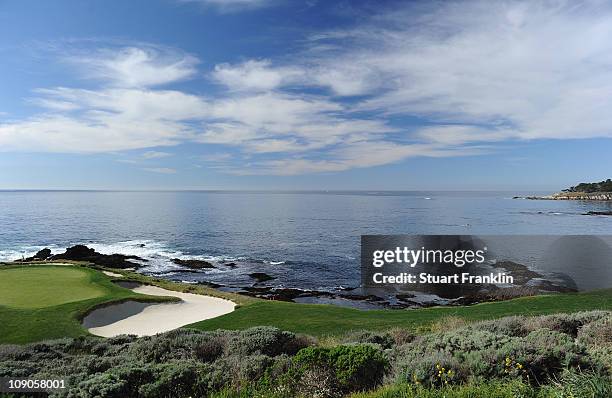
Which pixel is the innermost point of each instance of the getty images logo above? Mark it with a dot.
(412, 257)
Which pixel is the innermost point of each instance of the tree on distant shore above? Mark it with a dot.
(589, 187)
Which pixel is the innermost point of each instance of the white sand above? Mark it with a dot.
(113, 274)
(158, 318)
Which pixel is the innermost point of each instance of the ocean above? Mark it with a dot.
(308, 240)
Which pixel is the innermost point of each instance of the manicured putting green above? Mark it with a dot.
(46, 287)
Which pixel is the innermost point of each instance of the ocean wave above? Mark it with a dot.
(21, 252)
(273, 262)
(157, 255)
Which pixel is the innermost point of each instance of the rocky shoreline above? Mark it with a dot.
(596, 196)
(527, 283)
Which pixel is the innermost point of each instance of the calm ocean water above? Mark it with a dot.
(307, 240)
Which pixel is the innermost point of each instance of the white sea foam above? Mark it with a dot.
(26, 251)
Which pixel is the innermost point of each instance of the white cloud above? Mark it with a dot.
(137, 66)
(475, 73)
(106, 120)
(542, 69)
(256, 75)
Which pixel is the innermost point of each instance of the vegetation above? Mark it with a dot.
(590, 187)
(36, 304)
(325, 320)
(47, 301)
(551, 356)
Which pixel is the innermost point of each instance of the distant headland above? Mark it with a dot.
(584, 191)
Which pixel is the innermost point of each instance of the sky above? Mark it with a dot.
(305, 94)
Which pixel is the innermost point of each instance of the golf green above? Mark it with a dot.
(41, 302)
(46, 287)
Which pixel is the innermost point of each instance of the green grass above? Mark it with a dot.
(47, 301)
(327, 320)
(42, 287)
(39, 302)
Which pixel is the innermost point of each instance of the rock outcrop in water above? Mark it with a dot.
(261, 276)
(84, 253)
(195, 264)
(598, 213)
(41, 255)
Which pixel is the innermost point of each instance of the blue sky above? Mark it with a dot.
(280, 94)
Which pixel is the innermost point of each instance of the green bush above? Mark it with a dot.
(265, 340)
(177, 379)
(347, 367)
(483, 355)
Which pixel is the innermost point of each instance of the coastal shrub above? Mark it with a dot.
(101, 385)
(11, 352)
(597, 337)
(447, 323)
(384, 340)
(402, 336)
(579, 384)
(483, 355)
(437, 369)
(177, 344)
(566, 323)
(515, 326)
(117, 382)
(542, 354)
(493, 389)
(208, 350)
(349, 367)
(459, 341)
(17, 368)
(265, 340)
(243, 369)
(597, 333)
(176, 379)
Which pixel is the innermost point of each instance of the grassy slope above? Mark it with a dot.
(69, 292)
(323, 320)
(20, 325)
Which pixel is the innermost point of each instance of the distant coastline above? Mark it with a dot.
(602, 196)
(600, 191)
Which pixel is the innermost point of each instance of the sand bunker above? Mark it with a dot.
(113, 274)
(158, 318)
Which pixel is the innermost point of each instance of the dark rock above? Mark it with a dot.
(210, 284)
(42, 254)
(232, 265)
(519, 272)
(598, 213)
(282, 294)
(405, 297)
(196, 264)
(261, 276)
(84, 253)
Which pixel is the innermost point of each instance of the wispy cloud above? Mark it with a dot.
(155, 155)
(474, 73)
(136, 66)
(160, 170)
(233, 5)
